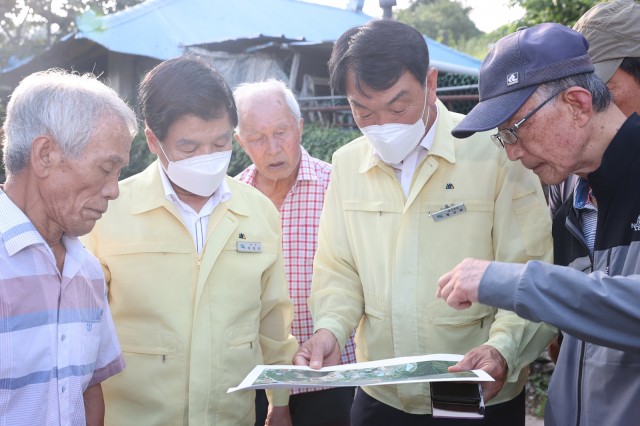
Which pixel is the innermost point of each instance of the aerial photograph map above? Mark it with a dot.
(391, 371)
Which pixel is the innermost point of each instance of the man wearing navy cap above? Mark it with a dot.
(555, 116)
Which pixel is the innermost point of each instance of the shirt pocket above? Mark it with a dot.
(532, 220)
(372, 230)
(91, 335)
(237, 277)
(465, 234)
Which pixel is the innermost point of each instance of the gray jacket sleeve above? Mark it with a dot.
(592, 307)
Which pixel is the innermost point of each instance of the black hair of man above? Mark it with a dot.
(187, 85)
(378, 53)
(631, 66)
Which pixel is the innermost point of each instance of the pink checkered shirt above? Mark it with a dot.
(300, 214)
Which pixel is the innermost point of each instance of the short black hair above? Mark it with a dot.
(378, 53)
(631, 66)
(187, 85)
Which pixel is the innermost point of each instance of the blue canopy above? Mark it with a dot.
(163, 29)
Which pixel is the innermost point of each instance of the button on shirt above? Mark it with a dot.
(56, 333)
(300, 215)
(195, 222)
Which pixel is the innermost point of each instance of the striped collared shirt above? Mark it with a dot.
(56, 333)
(300, 214)
(587, 212)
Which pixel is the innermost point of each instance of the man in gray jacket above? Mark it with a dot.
(555, 116)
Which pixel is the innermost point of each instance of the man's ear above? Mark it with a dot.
(238, 139)
(579, 102)
(43, 155)
(432, 84)
(152, 141)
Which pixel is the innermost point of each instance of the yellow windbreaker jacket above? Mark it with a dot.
(191, 326)
(380, 255)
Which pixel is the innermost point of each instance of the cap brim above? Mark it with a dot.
(490, 113)
(606, 69)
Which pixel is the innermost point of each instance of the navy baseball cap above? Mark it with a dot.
(514, 68)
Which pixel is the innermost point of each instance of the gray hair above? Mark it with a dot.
(600, 95)
(65, 106)
(245, 91)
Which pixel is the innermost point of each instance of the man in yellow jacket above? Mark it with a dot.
(407, 202)
(193, 262)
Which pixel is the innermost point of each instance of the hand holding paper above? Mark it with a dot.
(488, 359)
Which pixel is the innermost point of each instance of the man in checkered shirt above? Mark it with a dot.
(270, 132)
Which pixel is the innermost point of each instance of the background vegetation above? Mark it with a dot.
(448, 22)
(28, 27)
(319, 140)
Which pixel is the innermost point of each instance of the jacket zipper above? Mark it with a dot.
(583, 349)
(580, 368)
(573, 229)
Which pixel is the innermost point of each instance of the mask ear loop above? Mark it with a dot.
(428, 112)
(166, 170)
(426, 95)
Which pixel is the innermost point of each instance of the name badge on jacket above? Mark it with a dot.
(448, 211)
(248, 247)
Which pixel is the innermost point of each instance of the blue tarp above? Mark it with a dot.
(162, 29)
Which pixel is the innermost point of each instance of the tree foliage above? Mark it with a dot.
(565, 12)
(28, 27)
(446, 21)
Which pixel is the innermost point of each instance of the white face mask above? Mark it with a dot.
(200, 175)
(393, 142)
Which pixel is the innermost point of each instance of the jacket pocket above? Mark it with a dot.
(452, 331)
(243, 335)
(460, 321)
(127, 248)
(154, 377)
(376, 328)
(156, 344)
(531, 220)
(241, 352)
(375, 206)
(465, 234)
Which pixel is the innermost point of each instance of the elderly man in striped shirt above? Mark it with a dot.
(270, 131)
(66, 137)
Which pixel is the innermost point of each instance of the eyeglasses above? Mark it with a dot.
(509, 136)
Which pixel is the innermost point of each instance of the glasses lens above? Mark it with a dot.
(508, 136)
(497, 140)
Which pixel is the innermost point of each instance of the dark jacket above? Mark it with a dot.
(597, 379)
